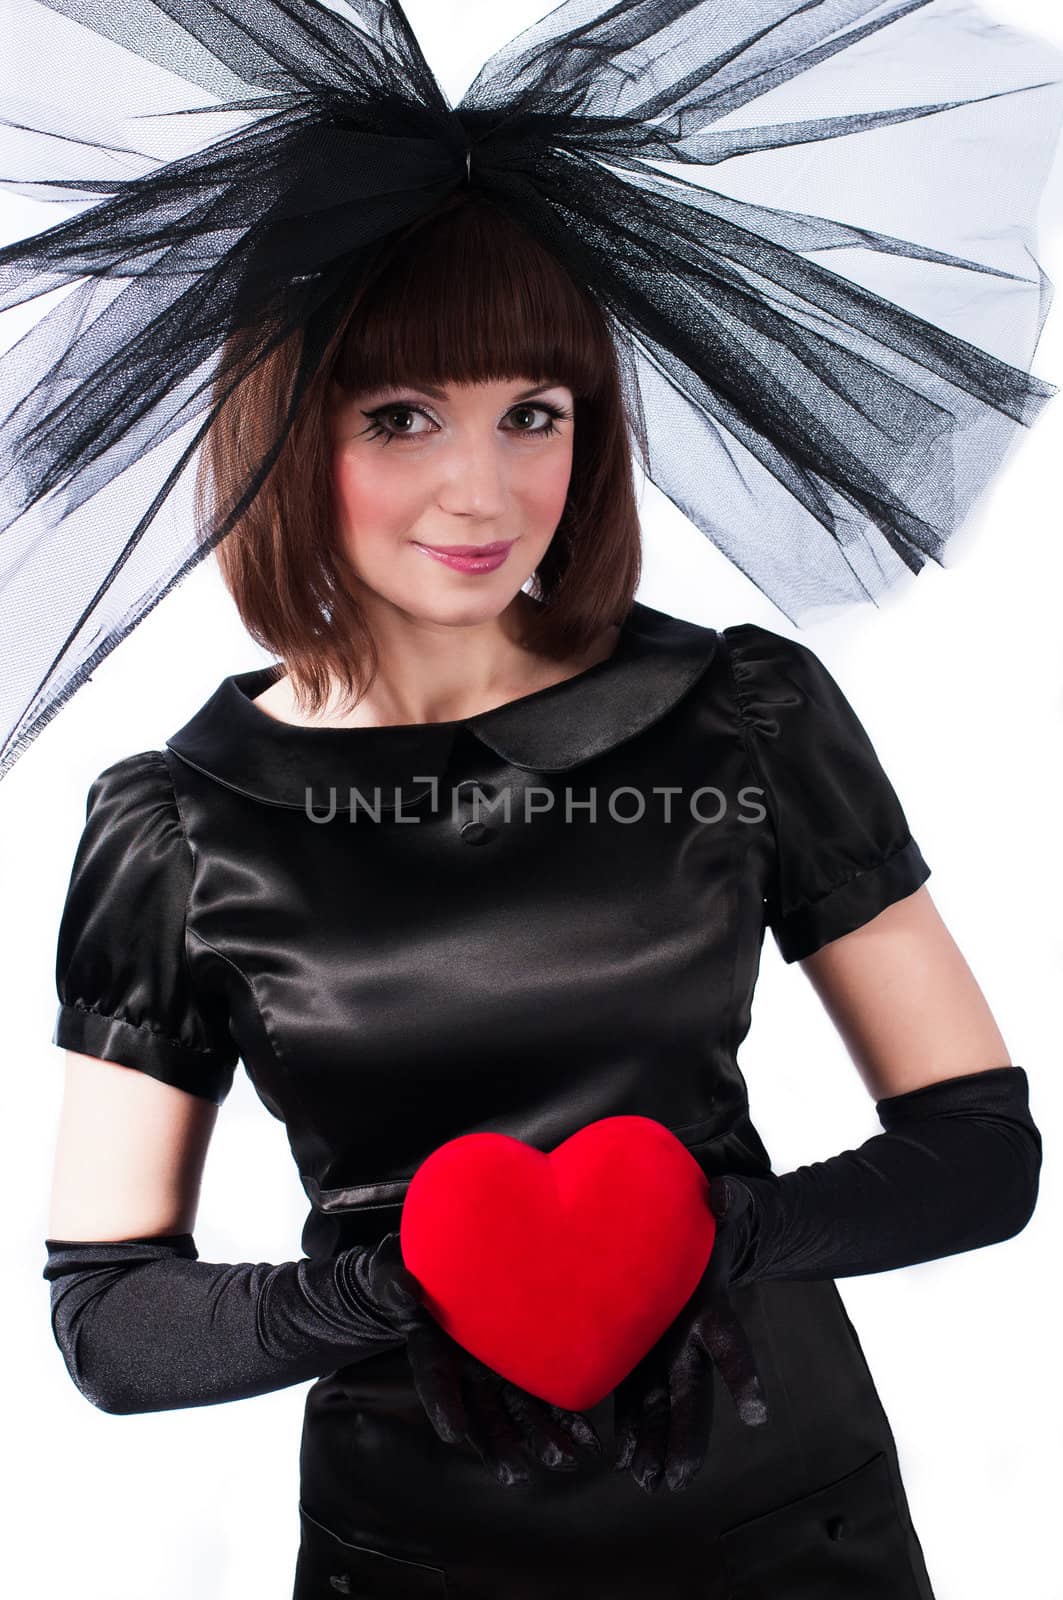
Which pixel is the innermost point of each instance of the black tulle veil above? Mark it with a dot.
(824, 399)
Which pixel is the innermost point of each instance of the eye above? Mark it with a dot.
(380, 427)
(389, 432)
(551, 411)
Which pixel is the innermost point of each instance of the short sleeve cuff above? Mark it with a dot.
(849, 905)
(206, 1073)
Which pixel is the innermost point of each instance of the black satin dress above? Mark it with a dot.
(518, 922)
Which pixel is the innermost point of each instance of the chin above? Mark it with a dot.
(468, 610)
(458, 610)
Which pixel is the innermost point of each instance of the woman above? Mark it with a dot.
(516, 878)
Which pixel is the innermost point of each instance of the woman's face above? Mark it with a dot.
(472, 467)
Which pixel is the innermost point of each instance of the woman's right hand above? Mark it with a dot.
(463, 1398)
(663, 1408)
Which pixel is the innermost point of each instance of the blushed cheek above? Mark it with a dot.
(546, 488)
(378, 506)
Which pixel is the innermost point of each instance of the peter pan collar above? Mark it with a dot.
(657, 658)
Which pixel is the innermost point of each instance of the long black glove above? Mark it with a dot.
(144, 1325)
(957, 1168)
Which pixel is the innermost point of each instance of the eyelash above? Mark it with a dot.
(554, 412)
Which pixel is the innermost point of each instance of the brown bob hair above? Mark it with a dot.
(462, 295)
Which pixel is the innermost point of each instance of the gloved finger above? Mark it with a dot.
(579, 1428)
(691, 1403)
(644, 1424)
(625, 1421)
(727, 1344)
(540, 1430)
(627, 1413)
(434, 1359)
(492, 1431)
(549, 1430)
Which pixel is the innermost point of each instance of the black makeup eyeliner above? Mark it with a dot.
(555, 412)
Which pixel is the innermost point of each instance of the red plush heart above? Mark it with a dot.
(559, 1269)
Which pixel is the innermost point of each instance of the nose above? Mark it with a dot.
(476, 478)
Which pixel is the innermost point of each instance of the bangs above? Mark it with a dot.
(467, 296)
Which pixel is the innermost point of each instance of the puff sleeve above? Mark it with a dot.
(122, 972)
(843, 850)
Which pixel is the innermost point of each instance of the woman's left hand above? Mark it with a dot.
(663, 1408)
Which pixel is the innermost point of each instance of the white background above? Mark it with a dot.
(959, 684)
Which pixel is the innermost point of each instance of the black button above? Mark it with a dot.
(837, 1528)
(477, 833)
(474, 787)
(340, 1582)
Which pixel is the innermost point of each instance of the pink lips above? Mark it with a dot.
(469, 557)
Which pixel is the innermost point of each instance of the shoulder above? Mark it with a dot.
(133, 794)
(753, 646)
(771, 667)
(144, 776)
(143, 766)
(781, 687)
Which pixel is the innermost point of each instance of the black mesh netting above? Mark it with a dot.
(826, 316)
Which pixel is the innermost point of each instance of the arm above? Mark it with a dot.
(958, 1164)
(143, 1325)
(129, 1155)
(904, 1000)
(956, 1168)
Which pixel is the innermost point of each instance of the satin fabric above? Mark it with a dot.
(519, 922)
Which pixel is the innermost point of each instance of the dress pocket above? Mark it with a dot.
(328, 1568)
(845, 1541)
